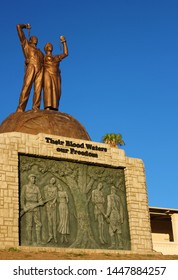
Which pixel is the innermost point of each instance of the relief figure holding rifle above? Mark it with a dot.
(31, 199)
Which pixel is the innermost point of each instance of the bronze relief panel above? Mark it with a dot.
(71, 204)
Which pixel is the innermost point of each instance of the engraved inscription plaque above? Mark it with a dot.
(71, 204)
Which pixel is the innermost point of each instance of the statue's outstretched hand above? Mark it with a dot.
(63, 39)
(28, 26)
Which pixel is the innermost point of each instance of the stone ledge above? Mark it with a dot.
(79, 251)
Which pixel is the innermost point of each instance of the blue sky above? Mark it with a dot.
(121, 74)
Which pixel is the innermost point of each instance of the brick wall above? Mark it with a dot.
(13, 143)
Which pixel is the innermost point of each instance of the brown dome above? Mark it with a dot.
(44, 121)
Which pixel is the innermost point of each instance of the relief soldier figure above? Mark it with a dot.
(50, 192)
(52, 77)
(34, 69)
(98, 200)
(30, 201)
(63, 201)
(115, 216)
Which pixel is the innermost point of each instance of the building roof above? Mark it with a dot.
(163, 211)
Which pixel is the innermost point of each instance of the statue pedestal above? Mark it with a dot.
(44, 121)
(100, 200)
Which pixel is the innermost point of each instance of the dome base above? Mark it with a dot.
(44, 121)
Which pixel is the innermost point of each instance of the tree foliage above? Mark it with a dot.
(113, 139)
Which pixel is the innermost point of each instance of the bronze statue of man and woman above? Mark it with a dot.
(41, 71)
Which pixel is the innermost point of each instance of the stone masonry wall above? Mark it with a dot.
(13, 143)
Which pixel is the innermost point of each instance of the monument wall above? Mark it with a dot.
(88, 176)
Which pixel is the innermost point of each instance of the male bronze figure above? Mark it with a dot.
(34, 69)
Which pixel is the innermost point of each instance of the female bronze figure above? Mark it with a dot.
(52, 77)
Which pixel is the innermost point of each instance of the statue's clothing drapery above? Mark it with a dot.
(52, 81)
